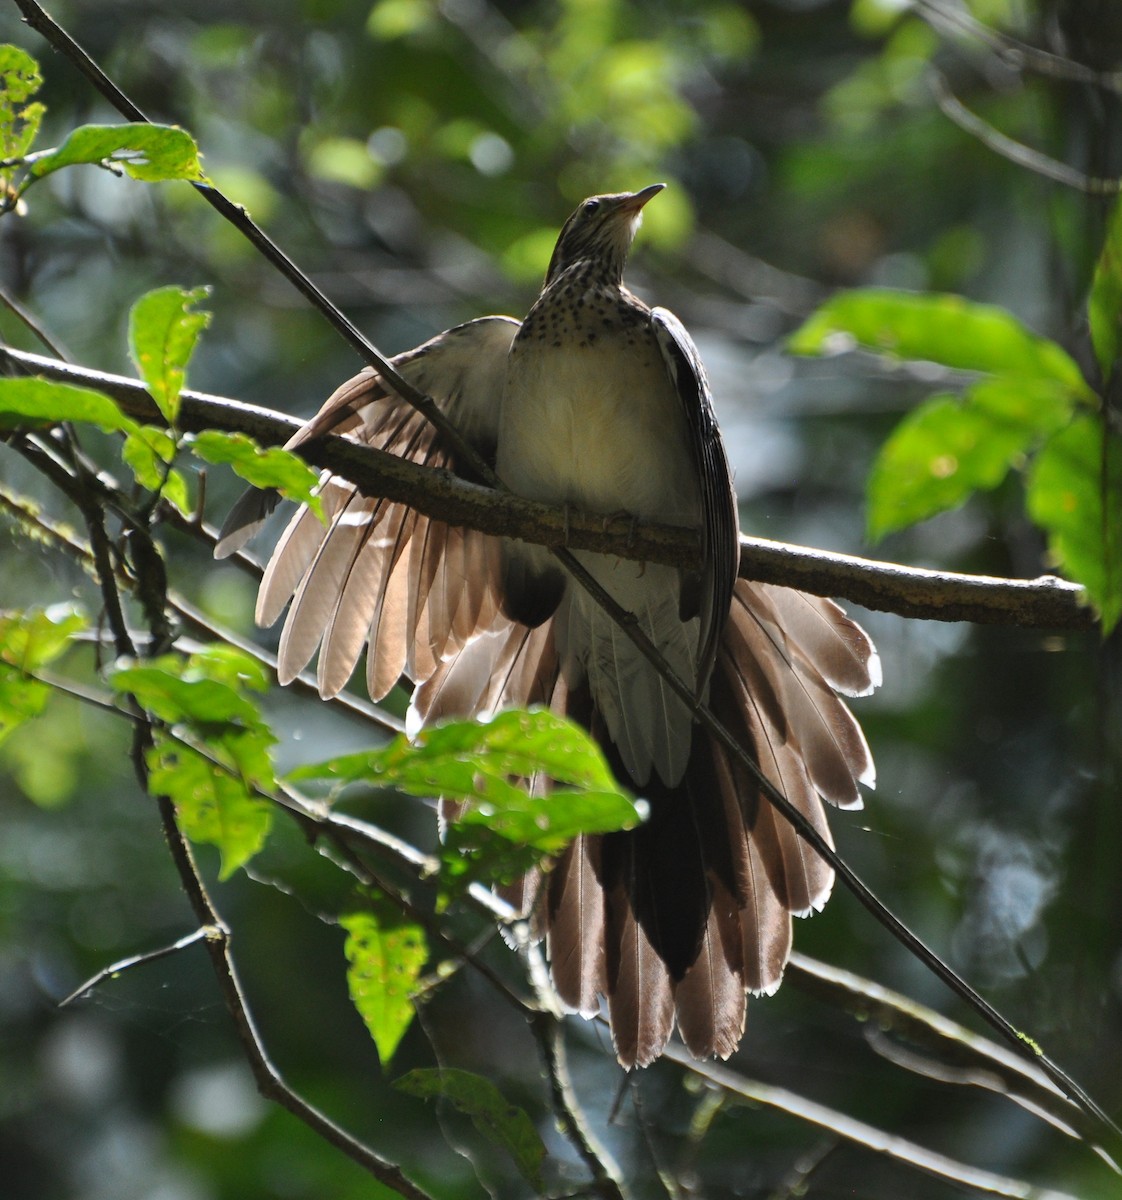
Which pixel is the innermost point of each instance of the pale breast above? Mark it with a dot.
(590, 415)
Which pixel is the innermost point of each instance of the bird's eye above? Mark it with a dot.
(590, 206)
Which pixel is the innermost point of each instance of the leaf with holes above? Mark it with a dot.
(20, 79)
(480, 764)
(385, 954)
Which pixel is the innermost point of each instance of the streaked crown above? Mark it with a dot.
(601, 231)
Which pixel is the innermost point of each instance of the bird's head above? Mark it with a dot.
(601, 230)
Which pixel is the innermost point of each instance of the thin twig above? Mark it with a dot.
(138, 960)
(1016, 152)
(857, 1133)
(1045, 602)
(26, 319)
(608, 1180)
(964, 1056)
(269, 1080)
(1015, 52)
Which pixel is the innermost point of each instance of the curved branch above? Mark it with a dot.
(1046, 602)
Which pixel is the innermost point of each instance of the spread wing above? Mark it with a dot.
(415, 589)
(720, 528)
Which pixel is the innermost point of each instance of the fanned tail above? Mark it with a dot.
(674, 922)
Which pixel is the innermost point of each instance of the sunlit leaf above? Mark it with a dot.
(1104, 307)
(213, 806)
(949, 447)
(205, 692)
(385, 955)
(149, 451)
(163, 332)
(271, 468)
(1075, 493)
(227, 664)
(21, 698)
(173, 695)
(32, 639)
(503, 1123)
(479, 762)
(943, 329)
(390, 19)
(20, 79)
(31, 402)
(144, 151)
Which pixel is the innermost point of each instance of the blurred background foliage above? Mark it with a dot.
(417, 158)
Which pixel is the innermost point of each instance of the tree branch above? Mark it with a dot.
(857, 1133)
(1046, 602)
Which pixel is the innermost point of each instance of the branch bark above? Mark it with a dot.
(1043, 603)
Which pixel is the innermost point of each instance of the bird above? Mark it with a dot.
(598, 402)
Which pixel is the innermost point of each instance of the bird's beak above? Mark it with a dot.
(636, 200)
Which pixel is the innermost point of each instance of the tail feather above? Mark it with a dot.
(640, 999)
(675, 921)
(574, 904)
(785, 677)
(710, 1001)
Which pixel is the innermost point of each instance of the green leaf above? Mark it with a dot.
(147, 152)
(162, 337)
(19, 122)
(160, 688)
(476, 763)
(475, 854)
(272, 468)
(1075, 493)
(32, 639)
(216, 799)
(149, 451)
(943, 329)
(501, 1122)
(385, 955)
(948, 448)
(29, 640)
(36, 401)
(1104, 306)
(227, 664)
(214, 807)
(21, 699)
